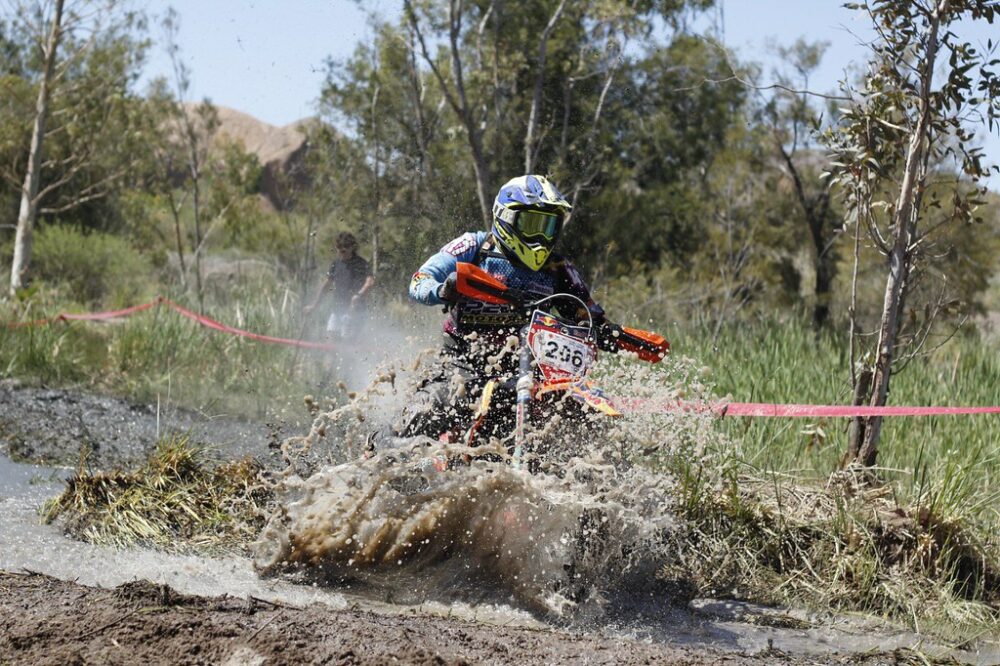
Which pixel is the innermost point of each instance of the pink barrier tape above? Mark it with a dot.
(211, 323)
(97, 316)
(200, 319)
(86, 316)
(624, 405)
(643, 406)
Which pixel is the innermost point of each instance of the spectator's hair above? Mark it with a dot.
(346, 241)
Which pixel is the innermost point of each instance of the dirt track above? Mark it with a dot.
(48, 621)
(45, 620)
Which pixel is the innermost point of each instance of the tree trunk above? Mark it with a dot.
(825, 270)
(175, 211)
(28, 211)
(376, 182)
(904, 223)
(856, 431)
(536, 97)
(196, 208)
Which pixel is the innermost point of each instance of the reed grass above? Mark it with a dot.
(771, 518)
(180, 500)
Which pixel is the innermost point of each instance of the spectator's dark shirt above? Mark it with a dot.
(347, 278)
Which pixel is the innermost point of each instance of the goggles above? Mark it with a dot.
(533, 223)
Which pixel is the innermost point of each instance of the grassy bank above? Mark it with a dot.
(772, 519)
(769, 518)
(158, 355)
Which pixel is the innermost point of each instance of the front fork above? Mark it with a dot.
(525, 384)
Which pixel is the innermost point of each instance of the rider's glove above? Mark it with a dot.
(448, 291)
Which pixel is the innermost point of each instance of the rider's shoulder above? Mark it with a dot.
(467, 242)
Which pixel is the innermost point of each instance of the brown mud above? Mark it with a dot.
(48, 621)
(50, 426)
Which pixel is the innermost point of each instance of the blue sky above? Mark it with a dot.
(265, 57)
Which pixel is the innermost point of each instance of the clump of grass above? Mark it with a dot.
(846, 544)
(177, 501)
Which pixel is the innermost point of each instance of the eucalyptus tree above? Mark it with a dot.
(80, 59)
(793, 117)
(457, 96)
(899, 123)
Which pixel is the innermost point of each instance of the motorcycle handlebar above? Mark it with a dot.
(475, 283)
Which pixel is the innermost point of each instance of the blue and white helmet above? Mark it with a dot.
(528, 215)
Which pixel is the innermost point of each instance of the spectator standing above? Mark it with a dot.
(350, 279)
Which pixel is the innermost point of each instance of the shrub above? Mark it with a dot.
(94, 267)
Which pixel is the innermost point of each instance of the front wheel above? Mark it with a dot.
(562, 428)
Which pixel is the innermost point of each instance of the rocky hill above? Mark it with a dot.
(280, 150)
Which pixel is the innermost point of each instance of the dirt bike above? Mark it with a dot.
(555, 353)
(486, 478)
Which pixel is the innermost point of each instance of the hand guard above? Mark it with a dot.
(647, 345)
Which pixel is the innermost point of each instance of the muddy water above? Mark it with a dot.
(449, 581)
(635, 614)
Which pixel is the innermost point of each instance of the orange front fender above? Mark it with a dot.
(584, 391)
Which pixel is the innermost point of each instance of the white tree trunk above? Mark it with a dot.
(28, 211)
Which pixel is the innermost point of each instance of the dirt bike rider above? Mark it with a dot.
(528, 216)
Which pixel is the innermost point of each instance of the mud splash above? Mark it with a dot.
(403, 519)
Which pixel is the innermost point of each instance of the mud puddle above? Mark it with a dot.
(365, 620)
(240, 616)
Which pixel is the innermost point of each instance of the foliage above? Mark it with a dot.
(417, 145)
(94, 268)
(96, 130)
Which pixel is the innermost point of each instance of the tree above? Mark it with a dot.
(793, 119)
(190, 132)
(32, 176)
(478, 91)
(898, 126)
(81, 57)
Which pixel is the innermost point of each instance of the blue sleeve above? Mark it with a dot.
(425, 282)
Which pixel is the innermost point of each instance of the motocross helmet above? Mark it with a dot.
(528, 215)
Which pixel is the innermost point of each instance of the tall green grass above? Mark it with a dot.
(786, 362)
(773, 519)
(160, 355)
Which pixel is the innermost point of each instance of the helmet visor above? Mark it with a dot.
(534, 224)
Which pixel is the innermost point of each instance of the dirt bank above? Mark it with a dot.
(48, 621)
(51, 426)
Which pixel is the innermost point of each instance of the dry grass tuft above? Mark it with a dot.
(845, 545)
(177, 501)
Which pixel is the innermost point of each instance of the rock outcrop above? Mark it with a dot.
(281, 151)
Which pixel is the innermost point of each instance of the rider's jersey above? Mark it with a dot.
(557, 276)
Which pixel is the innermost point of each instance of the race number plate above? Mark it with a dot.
(561, 352)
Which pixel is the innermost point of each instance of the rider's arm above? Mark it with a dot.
(609, 336)
(325, 288)
(426, 282)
